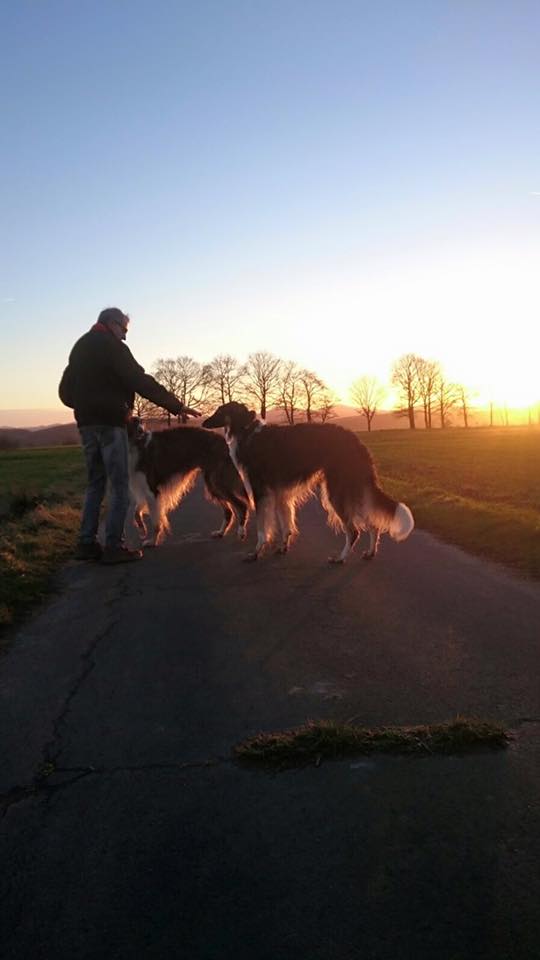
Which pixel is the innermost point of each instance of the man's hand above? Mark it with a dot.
(188, 412)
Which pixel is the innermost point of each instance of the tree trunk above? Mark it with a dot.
(412, 423)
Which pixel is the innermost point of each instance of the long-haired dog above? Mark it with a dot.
(282, 465)
(163, 467)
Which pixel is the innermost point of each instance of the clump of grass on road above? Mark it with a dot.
(331, 740)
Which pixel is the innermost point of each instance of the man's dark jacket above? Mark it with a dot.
(101, 379)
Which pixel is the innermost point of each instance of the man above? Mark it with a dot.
(99, 383)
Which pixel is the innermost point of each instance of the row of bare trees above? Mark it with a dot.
(421, 388)
(263, 381)
(422, 384)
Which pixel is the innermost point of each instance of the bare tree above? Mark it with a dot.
(186, 378)
(146, 410)
(326, 403)
(447, 398)
(261, 378)
(166, 373)
(429, 374)
(464, 398)
(289, 386)
(314, 392)
(367, 393)
(405, 379)
(194, 382)
(224, 378)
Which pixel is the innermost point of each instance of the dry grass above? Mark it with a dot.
(40, 499)
(331, 740)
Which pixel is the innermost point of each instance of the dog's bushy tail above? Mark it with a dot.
(389, 516)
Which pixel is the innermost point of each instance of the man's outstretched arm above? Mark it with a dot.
(135, 378)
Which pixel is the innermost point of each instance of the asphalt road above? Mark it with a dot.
(145, 841)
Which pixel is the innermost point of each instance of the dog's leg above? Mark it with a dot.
(162, 523)
(129, 522)
(157, 519)
(339, 509)
(265, 513)
(224, 485)
(219, 487)
(241, 512)
(140, 521)
(228, 519)
(351, 536)
(285, 517)
(374, 538)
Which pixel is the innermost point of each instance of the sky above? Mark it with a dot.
(336, 182)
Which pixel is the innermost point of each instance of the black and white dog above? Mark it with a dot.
(283, 465)
(164, 465)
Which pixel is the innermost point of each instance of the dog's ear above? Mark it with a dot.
(252, 416)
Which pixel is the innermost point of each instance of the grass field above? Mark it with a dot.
(40, 500)
(478, 488)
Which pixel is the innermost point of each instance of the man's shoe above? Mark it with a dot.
(120, 555)
(88, 551)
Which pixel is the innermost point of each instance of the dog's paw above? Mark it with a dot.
(250, 557)
(368, 555)
(336, 559)
(150, 542)
(217, 534)
(241, 534)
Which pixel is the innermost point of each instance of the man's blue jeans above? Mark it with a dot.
(106, 454)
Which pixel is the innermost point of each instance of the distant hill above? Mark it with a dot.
(57, 435)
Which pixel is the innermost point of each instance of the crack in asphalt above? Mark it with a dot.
(38, 786)
(44, 784)
(50, 754)
(53, 747)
